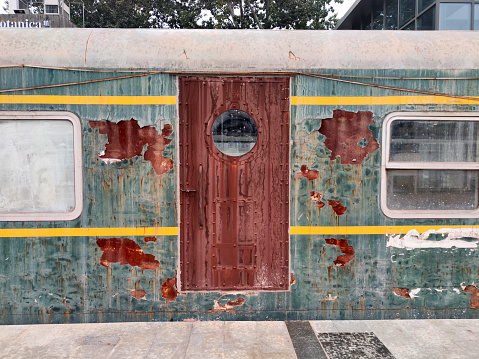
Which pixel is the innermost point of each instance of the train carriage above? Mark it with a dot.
(238, 175)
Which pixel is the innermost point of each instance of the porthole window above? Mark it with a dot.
(430, 166)
(40, 154)
(234, 133)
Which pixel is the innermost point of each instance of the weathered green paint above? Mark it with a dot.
(56, 280)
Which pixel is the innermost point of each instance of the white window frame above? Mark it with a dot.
(77, 154)
(387, 164)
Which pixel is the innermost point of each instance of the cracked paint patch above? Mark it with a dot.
(402, 292)
(413, 239)
(345, 248)
(126, 140)
(311, 175)
(169, 290)
(125, 251)
(348, 135)
(474, 295)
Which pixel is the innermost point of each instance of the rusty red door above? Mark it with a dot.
(234, 183)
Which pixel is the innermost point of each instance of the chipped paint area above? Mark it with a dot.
(126, 140)
(348, 135)
(345, 248)
(338, 208)
(406, 293)
(413, 239)
(138, 293)
(474, 295)
(169, 290)
(227, 307)
(125, 251)
(311, 175)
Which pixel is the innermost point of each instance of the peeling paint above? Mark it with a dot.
(125, 251)
(311, 175)
(348, 135)
(169, 290)
(474, 295)
(337, 207)
(126, 140)
(228, 307)
(345, 248)
(413, 239)
(292, 279)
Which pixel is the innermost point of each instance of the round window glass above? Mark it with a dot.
(234, 133)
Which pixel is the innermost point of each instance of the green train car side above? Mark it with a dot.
(238, 175)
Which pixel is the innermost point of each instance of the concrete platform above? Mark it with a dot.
(370, 339)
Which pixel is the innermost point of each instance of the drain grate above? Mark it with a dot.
(353, 345)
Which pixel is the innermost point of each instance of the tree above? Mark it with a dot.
(212, 14)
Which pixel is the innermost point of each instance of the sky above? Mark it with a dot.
(340, 8)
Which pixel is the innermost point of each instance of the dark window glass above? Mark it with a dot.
(391, 14)
(434, 141)
(378, 16)
(422, 4)
(51, 9)
(406, 11)
(454, 16)
(427, 21)
(411, 26)
(431, 190)
(234, 133)
(367, 22)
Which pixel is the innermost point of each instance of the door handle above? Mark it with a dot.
(200, 194)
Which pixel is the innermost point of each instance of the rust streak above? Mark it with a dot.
(345, 248)
(169, 290)
(402, 292)
(125, 251)
(337, 207)
(475, 295)
(344, 131)
(126, 140)
(311, 175)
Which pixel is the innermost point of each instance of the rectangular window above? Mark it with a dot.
(41, 176)
(430, 165)
(455, 16)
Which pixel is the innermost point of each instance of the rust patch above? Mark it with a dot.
(345, 248)
(402, 292)
(150, 239)
(138, 293)
(475, 295)
(316, 196)
(292, 280)
(125, 251)
(228, 307)
(169, 290)
(337, 207)
(311, 175)
(126, 140)
(345, 131)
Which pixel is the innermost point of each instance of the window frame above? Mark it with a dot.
(78, 166)
(387, 164)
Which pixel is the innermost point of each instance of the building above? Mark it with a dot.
(411, 15)
(37, 14)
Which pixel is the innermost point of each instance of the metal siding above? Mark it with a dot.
(61, 279)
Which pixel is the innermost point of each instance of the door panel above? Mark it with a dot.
(234, 210)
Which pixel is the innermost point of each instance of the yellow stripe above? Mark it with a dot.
(90, 232)
(173, 231)
(88, 100)
(345, 230)
(381, 100)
